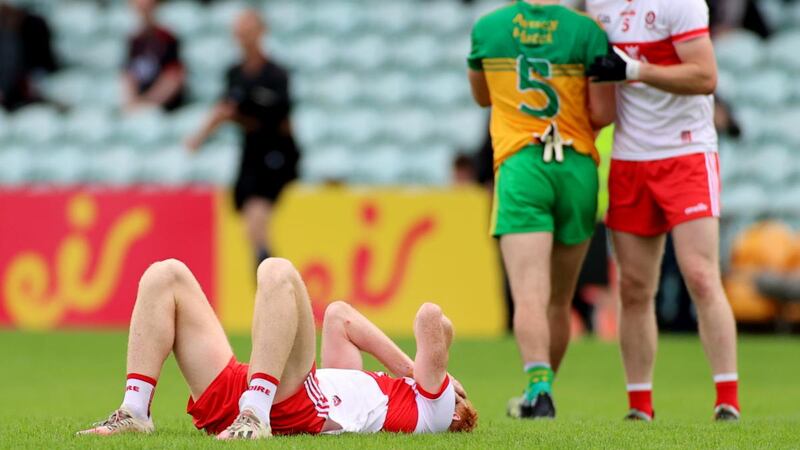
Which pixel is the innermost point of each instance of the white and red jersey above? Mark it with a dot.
(653, 124)
(368, 402)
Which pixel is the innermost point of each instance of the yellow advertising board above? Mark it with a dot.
(385, 251)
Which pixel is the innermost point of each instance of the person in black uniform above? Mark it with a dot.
(257, 99)
(153, 74)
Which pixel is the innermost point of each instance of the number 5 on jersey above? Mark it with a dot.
(531, 73)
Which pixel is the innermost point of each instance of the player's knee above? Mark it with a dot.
(166, 272)
(337, 313)
(274, 271)
(703, 282)
(636, 292)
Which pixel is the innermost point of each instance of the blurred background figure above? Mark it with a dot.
(256, 98)
(153, 74)
(464, 173)
(729, 15)
(26, 56)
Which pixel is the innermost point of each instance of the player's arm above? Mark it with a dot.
(602, 105)
(695, 75)
(222, 112)
(346, 333)
(167, 86)
(480, 89)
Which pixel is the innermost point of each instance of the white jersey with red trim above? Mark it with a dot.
(653, 124)
(368, 402)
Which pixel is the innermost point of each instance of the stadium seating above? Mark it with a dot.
(380, 90)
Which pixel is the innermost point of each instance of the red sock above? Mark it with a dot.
(641, 399)
(728, 393)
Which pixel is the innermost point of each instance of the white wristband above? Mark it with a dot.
(633, 69)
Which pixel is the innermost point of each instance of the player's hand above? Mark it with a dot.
(458, 387)
(613, 67)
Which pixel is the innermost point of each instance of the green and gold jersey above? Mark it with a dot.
(535, 59)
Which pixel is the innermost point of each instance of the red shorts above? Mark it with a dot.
(648, 198)
(218, 406)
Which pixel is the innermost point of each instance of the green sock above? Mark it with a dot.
(540, 380)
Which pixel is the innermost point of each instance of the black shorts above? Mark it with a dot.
(259, 178)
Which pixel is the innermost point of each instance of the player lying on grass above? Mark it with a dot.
(280, 391)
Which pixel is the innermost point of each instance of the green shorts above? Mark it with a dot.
(532, 196)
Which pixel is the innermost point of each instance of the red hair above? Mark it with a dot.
(465, 417)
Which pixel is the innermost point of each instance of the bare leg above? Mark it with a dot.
(697, 249)
(639, 260)
(527, 260)
(434, 334)
(566, 264)
(284, 337)
(173, 314)
(256, 212)
(346, 333)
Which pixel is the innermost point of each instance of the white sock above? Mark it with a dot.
(530, 365)
(639, 387)
(723, 377)
(139, 391)
(259, 395)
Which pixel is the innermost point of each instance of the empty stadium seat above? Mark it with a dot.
(392, 17)
(166, 166)
(15, 164)
(119, 20)
(355, 127)
(221, 14)
(37, 125)
(81, 19)
(444, 16)
(210, 55)
(739, 50)
(442, 89)
(61, 165)
(389, 89)
(285, 18)
(89, 126)
(330, 163)
(310, 126)
(68, 87)
(766, 88)
(382, 164)
(104, 55)
(338, 18)
(143, 128)
(364, 53)
(117, 165)
(430, 165)
(418, 52)
(744, 200)
(214, 164)
(771, 165)
(784, 50)
(184, 17)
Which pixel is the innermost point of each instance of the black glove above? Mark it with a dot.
(613, 67)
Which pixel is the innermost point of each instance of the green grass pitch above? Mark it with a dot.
(55, 383)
